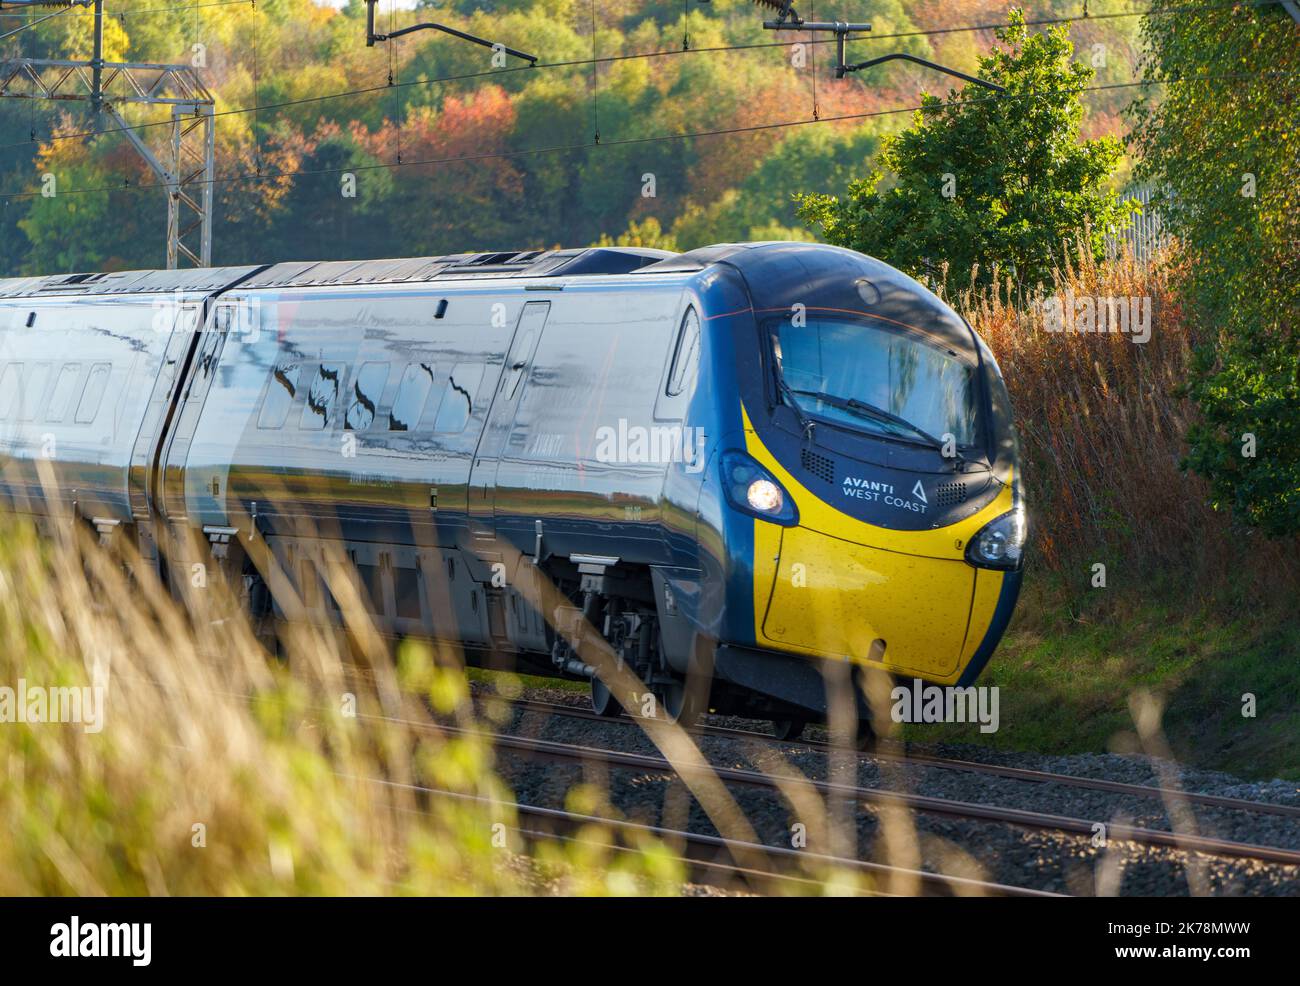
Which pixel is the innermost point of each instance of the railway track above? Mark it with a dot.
(946, 763)
(870, 797)
(877, 798)
(711, 859)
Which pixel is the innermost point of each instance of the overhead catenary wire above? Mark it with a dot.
(33, 23)
(146, 10)
(631, 56)
(595, 79)
(654, 138)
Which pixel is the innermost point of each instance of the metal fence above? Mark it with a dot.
(1147, 233)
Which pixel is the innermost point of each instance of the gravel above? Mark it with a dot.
(995, 851)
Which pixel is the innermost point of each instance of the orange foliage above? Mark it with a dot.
(467, 137)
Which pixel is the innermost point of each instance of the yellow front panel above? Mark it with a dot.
(862, 583)
(901, 612)
(988, 587)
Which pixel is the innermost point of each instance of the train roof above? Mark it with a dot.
(201, 280)
(515, 263)
(778, 274)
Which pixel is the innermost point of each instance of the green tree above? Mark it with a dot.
(645, 234)
(762, 205)
(1221, 142)
(982, 179)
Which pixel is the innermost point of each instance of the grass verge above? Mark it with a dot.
(1071, 660)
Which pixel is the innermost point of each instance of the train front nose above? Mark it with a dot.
(928, 599)
(830, 596)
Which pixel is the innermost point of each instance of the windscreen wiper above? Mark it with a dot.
(880, 414)
(805, 423)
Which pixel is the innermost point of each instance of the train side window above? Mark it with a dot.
(64, 387)
(517, 370)
(686, 355)
(369, 386)
(93, 394)
(458, 399)
(33, 390)
(406, 592)
(280, 393)
(10, 384)
(372, 588)
(208, 357)
(412, 393)
(322, 397)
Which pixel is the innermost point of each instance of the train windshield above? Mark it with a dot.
(885, 380)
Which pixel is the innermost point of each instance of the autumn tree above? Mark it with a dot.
(1220, 139)
(986, 180)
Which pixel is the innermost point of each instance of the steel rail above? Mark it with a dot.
(704, 850)
(874, 797)
(947, 763)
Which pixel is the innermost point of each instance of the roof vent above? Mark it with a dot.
(72, 280)
(612, 260)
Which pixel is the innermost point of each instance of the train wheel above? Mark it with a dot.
(788, 729)
(602, 699)
(679, 705)
(865, 738)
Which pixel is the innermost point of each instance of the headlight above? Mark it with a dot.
(752, 489)
(765, 496)
(1000, 543)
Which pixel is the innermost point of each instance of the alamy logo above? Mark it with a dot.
(658, 444)
(35, 704)
(1088, 314)
(920, 702)
(75, 940)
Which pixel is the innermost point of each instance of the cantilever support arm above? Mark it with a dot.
(841, 69)
(372, 37)
(842, 32)
(159, 169)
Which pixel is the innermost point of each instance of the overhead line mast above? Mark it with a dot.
(186, 168)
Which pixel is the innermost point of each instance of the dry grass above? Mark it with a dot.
(1194, 608)
(221, 770)
(1102, 435)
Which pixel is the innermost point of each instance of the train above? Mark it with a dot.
(762, 465)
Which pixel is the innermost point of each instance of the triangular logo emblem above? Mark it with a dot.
(919, 493)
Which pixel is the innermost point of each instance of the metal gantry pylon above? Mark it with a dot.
(185, 165)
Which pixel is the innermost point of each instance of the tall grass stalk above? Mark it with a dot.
(1102, 429)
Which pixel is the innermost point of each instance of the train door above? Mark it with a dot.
(500, 421)
(182, 332)
(196, 383)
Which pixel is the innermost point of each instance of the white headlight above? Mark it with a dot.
(1000, 543)
(764, 495)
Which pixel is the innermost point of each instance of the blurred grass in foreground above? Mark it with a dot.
(220, 771)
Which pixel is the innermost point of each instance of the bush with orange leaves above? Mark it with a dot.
(1103, 434)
